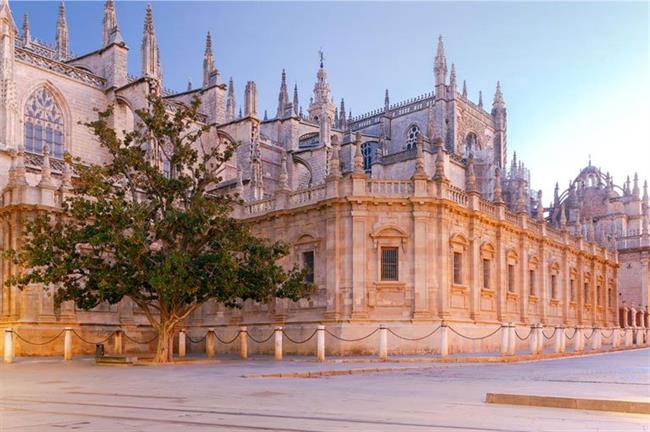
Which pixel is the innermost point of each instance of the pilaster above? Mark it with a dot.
(420, 236)
(358, 243)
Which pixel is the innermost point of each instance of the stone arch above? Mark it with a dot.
(471, 143)
(412, 133)
(60, 102)
(302, 174)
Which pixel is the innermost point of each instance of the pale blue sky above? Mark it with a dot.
(576, 76)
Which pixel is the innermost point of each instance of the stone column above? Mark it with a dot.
(505, 339)
(278, 343)
(442, 258)
(475, 271)
(67, 344)
(243, 342)
(320, 343)
(524, 282)
(211, 343)
(502, 279)
(383, 342)
(9, 346)
(543, 285)
(566, 295)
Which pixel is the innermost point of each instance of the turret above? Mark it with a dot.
(322, 109)
(150, 52)
(231, 102)
(283, 96)
(250, 99)
(8, 105)
(111, 29)
(210, 72)
(296, 101)
(62, 38)
(342, 121)
(440, 70)
(386, 101)
(499, 117)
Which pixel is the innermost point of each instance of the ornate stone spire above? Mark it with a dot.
(498, 192)
(591, 232)
(386, 101)
(342, 121)
(498, 102)
(62, 38)
(556, 194)
(296, 102)
(520, 205)
(335, 161)
(465, 89)
(283, 178)
(358, 156)
(562, 216)
(250, 99)
(240, 113)
(283, 96)
(20, 173)
(470, 175)
(440, 67)
(419, 156)
(540, 207)
(231, 102)
(240, 183)
(635, 190)
(336, 116)
(322, 109)
(150, 52)
(46, 170)
(452, 82)
(209, 69)
(66, 176)
(480, 99)
(111, 29)
(8, 103)
(646, 200)
(27, 34)
(440, 161)
(266, 115)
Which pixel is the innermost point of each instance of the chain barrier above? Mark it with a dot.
(551, 336)
(93, 343)
(475, 338)
(199, 340)
(342, 339)
(413, 339)
(530, 331)
(261, 341)
(39, 343)
(300, 342)
(146, 342)
(593, 330)
(227, 342)
(611, 333)
(575, 330)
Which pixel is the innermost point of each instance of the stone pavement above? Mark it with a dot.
(52, 395)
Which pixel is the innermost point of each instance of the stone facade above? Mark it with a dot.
(407, 215)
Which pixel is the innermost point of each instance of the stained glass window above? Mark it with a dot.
(44, 124)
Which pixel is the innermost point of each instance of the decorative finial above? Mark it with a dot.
(322, 57)
(440, 161)
(498, 193)
(358, 156)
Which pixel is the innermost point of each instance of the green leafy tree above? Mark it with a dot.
(163, 237)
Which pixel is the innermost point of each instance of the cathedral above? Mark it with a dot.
(410, 215)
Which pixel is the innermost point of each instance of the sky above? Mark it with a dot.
(575, 75)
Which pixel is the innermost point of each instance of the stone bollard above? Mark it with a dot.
(563, 332)
(534, 344)
(182, 347)
(278, 343)
(558, 339)
(9, 346)
(243, 343)
(211, 343)
(615, 338)
(628, 338)
(118, 344)
(512, 339)
(67, 344)
(637, 334)
(505, 339)
(444, 340)
(383, 342)
(576, 339)
(594, 339)
(320, 343)
(647, 335)
(540, 339)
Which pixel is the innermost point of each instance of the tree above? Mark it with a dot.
(149, 225)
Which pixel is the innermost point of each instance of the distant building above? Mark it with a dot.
(409, 214)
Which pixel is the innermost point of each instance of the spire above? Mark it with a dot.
(498, 102)
(296, 102)
(465, 89)
(5, 12)
(46, 171)
(470, 176)
(208, 63)
(440, 161)
(440, 67)
(27, 35)
(358, 157)
(62, 37)
(452, 82)
(562, 216)
(240, 183)
(150, 52)
(480, 99)
(646, 200)
(250, 99)
(556, 193)
(111, 29)
(635, 190)
(266, 115)
(283, 96)
(20, 177)
(66, 176)
(419, 156)
(540, 207)
(240, 114)
(335, 162)
(336, 116)
(386, 101)
(342, 120)
(520, 204)
(231, 102)
(283, 179)
(498, 193)
(591, 232)
(189, 84)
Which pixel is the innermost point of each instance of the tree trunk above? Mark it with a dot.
(165, 347)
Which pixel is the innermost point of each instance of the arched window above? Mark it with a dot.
(471, 144)
(43, 124)
(412, 136)
(368, 150)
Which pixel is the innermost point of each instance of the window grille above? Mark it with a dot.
(458, 268)
(486, 273)
(412, 137)
(308, 265)
(389, 264)
(511, 278)
(531, 282)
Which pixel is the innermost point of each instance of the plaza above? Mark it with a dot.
(43, 394)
